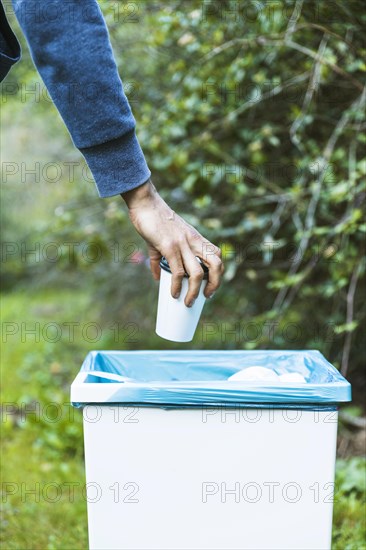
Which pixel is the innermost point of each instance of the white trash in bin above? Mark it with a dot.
(179, 457)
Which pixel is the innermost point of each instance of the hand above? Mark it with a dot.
(167, 234)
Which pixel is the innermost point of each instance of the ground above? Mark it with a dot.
(44, 504)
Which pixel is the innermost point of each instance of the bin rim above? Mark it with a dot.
(87, 389)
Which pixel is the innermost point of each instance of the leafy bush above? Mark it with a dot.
(251, 118)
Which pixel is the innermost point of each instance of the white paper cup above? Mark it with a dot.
(175, 321)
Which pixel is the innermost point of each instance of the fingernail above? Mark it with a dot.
(176, 295)
(191, 303)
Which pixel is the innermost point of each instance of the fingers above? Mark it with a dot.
(195, 273)
(211, 256)
(215, 272)
(155, 268)
(177, 269)
(182, 253)
(155, 257)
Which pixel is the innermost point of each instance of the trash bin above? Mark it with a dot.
(179, 457)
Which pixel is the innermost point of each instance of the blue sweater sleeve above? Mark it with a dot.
(70, 47)
(9, 45)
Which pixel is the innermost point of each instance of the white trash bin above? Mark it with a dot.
(179, 457)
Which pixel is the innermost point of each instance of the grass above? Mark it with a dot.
(349, 521)
(39, 453)
(42, 452)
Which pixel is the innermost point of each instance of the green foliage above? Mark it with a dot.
(349, 530)
(36, 449)
(251, 122)
(252, 126)
(41, 449)
(351, 476)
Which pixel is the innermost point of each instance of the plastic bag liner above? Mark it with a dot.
(196, 378)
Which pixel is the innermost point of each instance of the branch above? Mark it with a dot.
(326, 31)
(314, 55)
(250, 104)
(310, 216)
(333, 66)
(349, 316)
(353, 421)
(291, 27)
(312, 87)
(223, 47)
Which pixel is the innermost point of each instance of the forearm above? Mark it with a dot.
(141, 195)
(71, 49)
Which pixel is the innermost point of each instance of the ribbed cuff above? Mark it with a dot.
(118, 165)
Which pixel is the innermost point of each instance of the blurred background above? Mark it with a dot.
(251, 118)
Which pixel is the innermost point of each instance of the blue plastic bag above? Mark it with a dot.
(195, 378)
